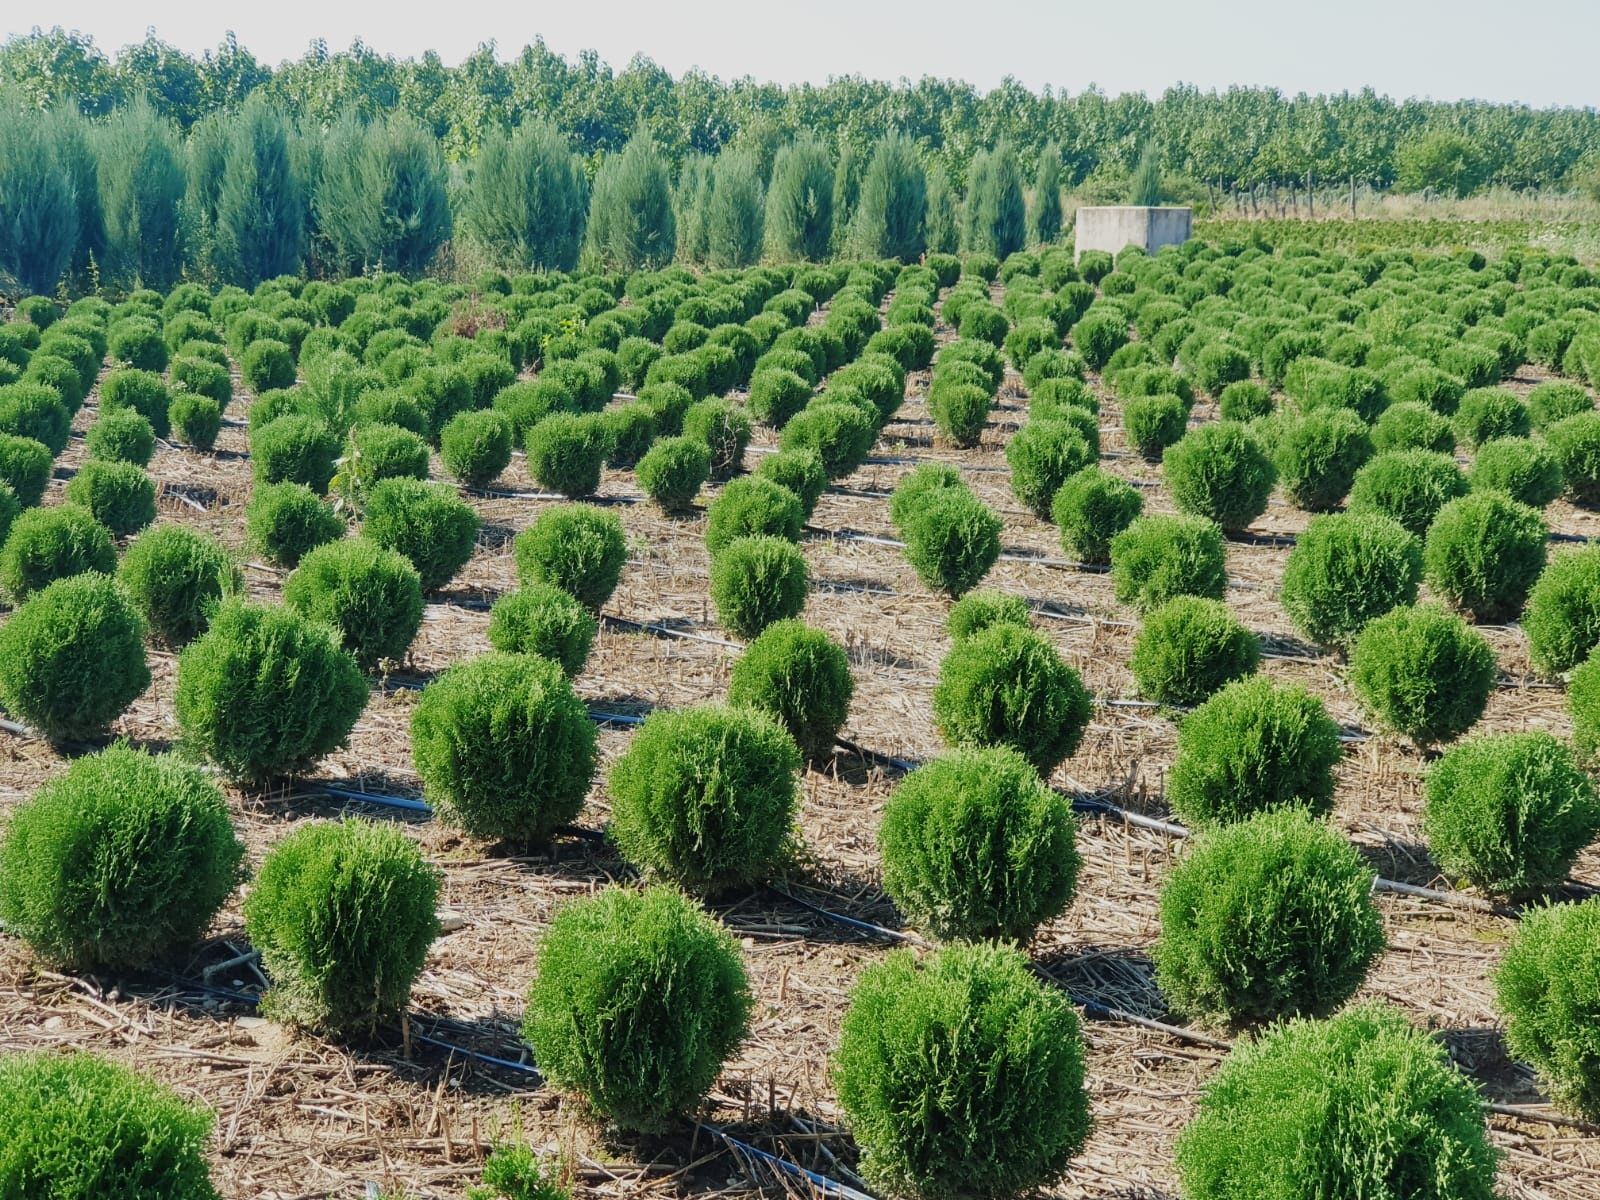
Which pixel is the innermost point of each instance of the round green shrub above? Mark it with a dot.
(265, 692)
(72, 658)
(777, 394)
(1413, 426)
(1548, 988)
(1483, 554)
(371, 596)
(60, 377)
(47, 544)
(1042, 456)
(578, 548)
(284, 521)
(343, 915)
(1244, 400)
(670, 402)
(1266, 918)
(544, 620)
(977, 611)
(1091, 508)
(959, 411)
(801, 471)
(143, 392)
(673, 471)
(1526, 471)
(1556, 400)
(840, 434)
(267, 364)
(119, 495)
(639, 999)
(725, 429)
(1220, 472)
(25, 466)
(1509, 812)
(1189, 648)
(176, 577)
(1098, 335)
(1317, 455)
(1153, 423)
(917, 486)
(1007, 686)
(197, 419)
(476, 447)
(1254, 745)
(119, 861)
(1361, 1104)
(566, 452)
(1421, 672)
(294, 449)
(137, 341)
(34, 411)
(1575, 442)
(427, 522)
(1158, 557)
(1562, 617)
(1345, 569)
(505, 748)
(756, 581)
(952, 539)
(976, 846)
(1002, 1117)
(121, 435)
(1583, 705)
(630, 431)
(201, 379)
(1409, 485)
(750, 507)
(801, 678)
(1489, 413)
(380, 451)
(1220, 365)
(81, 1128)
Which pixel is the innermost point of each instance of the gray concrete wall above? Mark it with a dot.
(1112, 227)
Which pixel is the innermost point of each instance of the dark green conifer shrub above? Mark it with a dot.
(195, 376)
(267, 363)
(381, 451)
(1267, 918)
(578, 548)
(476, 446)
(1098, 335)
(176, 577)
(566, 452)
(630, 432)
(32, 410)
(121, 435)
(294, 449)
(1001, 1120)
(1413, 426)
(119, 495)
(1244, 400)
(1488, 413)
(427, 522)
(137, 341)
(952, 539)
(1562, 617)
(840, 434)
(1346, 569)
(1220, 365)
(25, 466)
(265, 692)
(1547, 987)
(776, 394)
(1190, 647)
(1311, 1109)
(544, 620)
(1153, 423)
(1422, 673)
(1575, 441)
(343, 915)
(47, 544)
(673, 471)
(284, 521)
(959, 410)
(756, 581)
(121, 860)
(1583, 705)
(1483, 553)
(1158, 557)
(1317, 455)
(1254, 745)
(197, 420)
(1554, 401)
(1220, 472)
(1042, 456)
(639, 999)
(977, 611)
(801, 678)
(725, 429)
(145, 392)
(1409, 485)
(801, 471)
(371, 596)
(1090, 508)
(917, 486)
(1525, 470)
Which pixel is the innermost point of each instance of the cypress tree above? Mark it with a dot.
(846, 192)
(736, 213)
(416, 197)
(996, 220)
(800, 202)
(1146, 186)
(1044, 220)
(528, 198)
(892, 209)
(208, 154)
(261, 209)
(631, 225)
(70, 134)
(347, 201)
(141, 196)
(38, 202)
(942, 222)
(691, 201)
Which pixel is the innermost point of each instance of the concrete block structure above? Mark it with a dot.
(1112, 227)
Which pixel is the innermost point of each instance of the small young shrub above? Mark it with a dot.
(1583, 705)
(1042, 456)
(267, 364)
(840, 434)
(725, 429)
(917, 487)
(1091, 508)
(578, 548)
(1220, 472)
(952, 539)
(1421, 672)
(1189, 648)
(776, 394)
(1346, 569)
(1158, 557)
(1524, 470)
(1562, 617)
(343, 915)
(976, 846)
(630, 432)
(505, 748)
(1269, 917)
(176, 577)
(1220, 365)
(381, 451)
(1003, 1117)
(47, 544)
(1314, 1109)
(121, 435)
(197, 420)
(1254, 745)
(566, 452)
(801, 678)
(959, 411)
(201, 379)
(32, 410)
(1554, 401)
(427, 522)
(751, 507)
(25, 466)
(977, 611)
(1509, 812)
(1244, 400)
(294, 449)
(476, 447)
(1098, 335)
(1575, 442)
(544, 620)
(137, 341)
(1007, 686)
(371, 596)
(1547, 987)
(756, 581)
(119, 861)
(1153, 423)
(1318, 454)
(673, 471)
(1413, 426)
(1483, 554)
(1489, 413)
(801, 471)
(639, 999)
(119, 495)
(81, 1128)
(264, 692)
(1409, 485)
(285, 521)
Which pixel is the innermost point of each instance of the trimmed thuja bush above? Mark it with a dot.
(752, 507)
(197, 419)
(975, 846)
(1411, 486)
(801, 471)
(72, 658)
(672, 472)
(705, 797)
(1483, 554)
(1269, 917)
(725, 429)
(504, 747)
(1254, 745)
(1509, 812)
(296, 448)
(285, 521)
(1346, 569)
(1575, 442)
(426, 522)
(121, 860)
(1318, 454)
(80, 1128)
(1422, 673)
(1548, 988)
(1525, 470)
(566, 452)
(1153, 423)
(176, 577)
(838, 432)
(25, 466)
(801, 678)
(476, 446)
(371, 596)
(1362, 1104)
(1090, 509)
(639, 999)
(343, 915)
(1220, 472)
(265, 692)
(1413, 426)
(1002, 1117)
(1007, 686)
(578, 548)
(1583, 704)
(977, 611)
(1042, 456)
(1189, 648)
(544, 620)
(1158, 557)
(121, 435)
(756, 581)
(47, 544)
(1562, 617)
(952, 539)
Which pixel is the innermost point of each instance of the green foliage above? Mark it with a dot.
(476, 447)
(201, 377)
(513, 1172)
(1042, 456)
(1483, 554)
(1575, 442)
(1153, 423)
(673, 471)
(1245, 400)
(381, 197)
(799, 216)
(1548, 988)
(952, 539)
(799, 470)
(960, 410)
(1002, 1117)
(527, 199)
(1044, 215)
(25, 466)
(1554, 401)
(1346, 569)
(1361, 1104)
(776, 394)
(343, 915)
(566, 452)
(1098, 335)
(119, 495)
(427, 522)
(1526, 471)
(1583, 704)
(1254, 745)
(801, 678)
(578, 548)
(725, 429)
(1090, 508)
(1488, 413)
(371, 596)
(1146, 186)
(198, 420)
(1317, 455)
(1562, 618)
(889, 217)
(735, 212)
(1409, 485)
(32, 410)
(1158, 557)
(296, 448)
(264, 692)
(544, 620)
(176, 577)
(284, 521)
(144, 392)
(840, 434)
(1220, 472)
(977, 611)
(46, 544)
(121, 435)
(639, 999)
(38, 201)
(1189, 648)
(119, 861)
(1267, 918)
(257, 224)
(631, 222)
(72, 658)
(975, 846)
(756, 581)
(994, 221)
(1440, 160)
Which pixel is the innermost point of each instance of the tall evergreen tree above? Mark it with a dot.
(800, 202)
(846, 192)
(141, 196)
(736, 214)
(631, 224)
(996, 218)
(38, 202)
(416, 196)
(528, 199)
(891, 213)
(207, 155)
(70, 135)
(1146, 186)
(1044, 219)
(261, 205)
(943, 222)
(381, 196)
(691, 202)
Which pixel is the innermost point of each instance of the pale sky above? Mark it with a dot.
(1539, 52)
